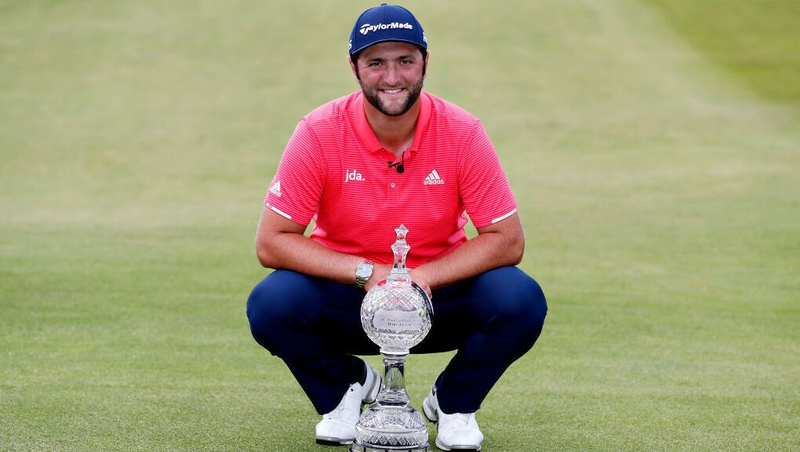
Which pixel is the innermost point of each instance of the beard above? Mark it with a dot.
(371, 94)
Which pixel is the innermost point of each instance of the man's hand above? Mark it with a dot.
(379, 273)
(420, 281)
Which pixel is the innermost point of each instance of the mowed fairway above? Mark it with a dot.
(659, 189)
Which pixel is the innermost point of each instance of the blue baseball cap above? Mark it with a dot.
(386, 23)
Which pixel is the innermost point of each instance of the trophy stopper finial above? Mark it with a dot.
(399, 274)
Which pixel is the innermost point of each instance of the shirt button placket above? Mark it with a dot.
(393, 192)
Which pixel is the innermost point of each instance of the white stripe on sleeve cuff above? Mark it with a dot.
(504, 216)
(279, 212)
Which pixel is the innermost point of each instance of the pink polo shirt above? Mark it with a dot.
(335, 171)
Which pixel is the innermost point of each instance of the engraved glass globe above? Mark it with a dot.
(396, 314)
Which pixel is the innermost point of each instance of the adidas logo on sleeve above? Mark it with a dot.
(275, 189)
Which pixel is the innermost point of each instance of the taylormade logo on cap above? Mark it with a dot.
(366, 28)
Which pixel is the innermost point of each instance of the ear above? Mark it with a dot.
(425, 70)
(354, 69)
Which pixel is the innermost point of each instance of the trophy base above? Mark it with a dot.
(391, 428)
(361, 448)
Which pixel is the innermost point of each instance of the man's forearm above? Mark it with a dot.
(292, 251)
(281, 244)
(485, 252)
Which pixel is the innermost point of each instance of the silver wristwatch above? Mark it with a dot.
(363, 272)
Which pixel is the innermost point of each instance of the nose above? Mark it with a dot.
(391, 76)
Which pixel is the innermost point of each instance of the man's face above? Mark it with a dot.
(391, 76)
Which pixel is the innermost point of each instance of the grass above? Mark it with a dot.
(753, 39)
(657, 182)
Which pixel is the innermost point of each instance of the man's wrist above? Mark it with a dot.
(363, 272)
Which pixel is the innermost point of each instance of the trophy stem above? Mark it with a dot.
(391, 424)
(394, 392)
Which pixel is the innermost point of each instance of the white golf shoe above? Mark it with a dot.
(458, 431)
(339, 426)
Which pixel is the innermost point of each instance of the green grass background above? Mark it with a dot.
(653, 145)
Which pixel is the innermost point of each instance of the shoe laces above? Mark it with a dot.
(457, 420)
(463, 418)
(351, 402)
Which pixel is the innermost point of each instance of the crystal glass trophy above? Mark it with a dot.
(396, 315)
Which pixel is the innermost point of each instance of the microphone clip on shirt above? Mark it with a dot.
(399, 166)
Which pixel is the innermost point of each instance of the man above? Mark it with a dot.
(359, 166)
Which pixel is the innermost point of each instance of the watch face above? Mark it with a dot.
(364, 270)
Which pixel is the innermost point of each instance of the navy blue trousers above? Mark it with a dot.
(314, 325)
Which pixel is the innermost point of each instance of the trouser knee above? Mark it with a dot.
(517, 303)
(272, 308)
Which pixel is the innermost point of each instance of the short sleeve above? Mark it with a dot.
(486, 193)
(297, 187)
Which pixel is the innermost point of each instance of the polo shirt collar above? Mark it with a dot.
(368, 137)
